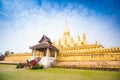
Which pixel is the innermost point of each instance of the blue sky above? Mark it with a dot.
(23, 22)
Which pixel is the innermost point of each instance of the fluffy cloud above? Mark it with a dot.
(27, 21)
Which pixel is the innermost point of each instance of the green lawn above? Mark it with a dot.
(9, 72)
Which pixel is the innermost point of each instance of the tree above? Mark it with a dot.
(1, 54)
(6, 53)
(11, 52)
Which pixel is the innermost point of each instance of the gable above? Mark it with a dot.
(45, 39)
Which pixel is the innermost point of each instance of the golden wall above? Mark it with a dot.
(75, 54)
(17, 58)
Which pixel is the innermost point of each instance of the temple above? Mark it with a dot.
(68, 53)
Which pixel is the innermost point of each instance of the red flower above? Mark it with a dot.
(34, 62)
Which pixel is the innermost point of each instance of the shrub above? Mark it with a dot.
(37, 66)
(21, 65)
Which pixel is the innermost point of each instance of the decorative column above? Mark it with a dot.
(55, 55)
(47, 52)
(47, 64)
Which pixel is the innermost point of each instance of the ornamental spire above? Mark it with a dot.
(66, 29)
(84, 41)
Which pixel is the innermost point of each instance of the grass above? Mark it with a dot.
(9, 72)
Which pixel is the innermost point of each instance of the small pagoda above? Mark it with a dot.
(46, 47)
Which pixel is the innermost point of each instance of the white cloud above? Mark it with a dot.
(31, 22)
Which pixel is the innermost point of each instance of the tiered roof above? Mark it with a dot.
(44, 42)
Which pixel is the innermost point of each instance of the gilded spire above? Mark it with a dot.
(66, 29)
(79, 38)
(79, 41)
(96, 42)
(84, 36)
(84, 41)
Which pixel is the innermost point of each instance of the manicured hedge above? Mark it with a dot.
(37, 66)
(21, 65)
